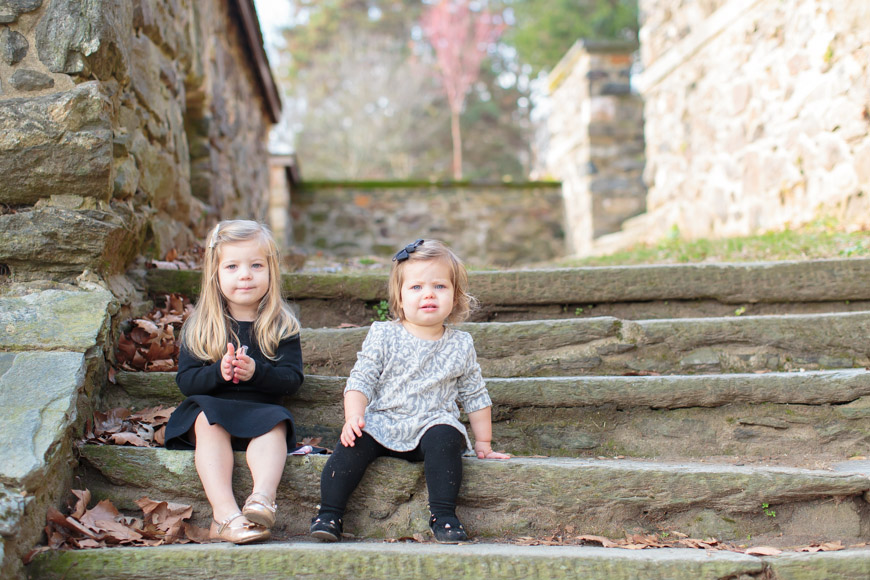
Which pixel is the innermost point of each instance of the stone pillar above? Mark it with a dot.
(596, 140)
(283, 176)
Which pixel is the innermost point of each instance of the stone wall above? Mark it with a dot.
(125, 127)
(596, 140)
(757, 115)
(498, 224)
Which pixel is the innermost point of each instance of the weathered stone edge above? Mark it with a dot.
(660, 392)
(609, 346)
(543, 486)
(380, 560)
(786, 281)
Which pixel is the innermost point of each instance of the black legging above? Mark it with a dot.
(440, 450)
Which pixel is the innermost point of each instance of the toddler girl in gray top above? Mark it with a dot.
(401, 396)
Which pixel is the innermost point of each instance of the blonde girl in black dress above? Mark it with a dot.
(240, 355)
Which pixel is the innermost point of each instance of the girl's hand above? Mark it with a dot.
(352, 429)
(243, 366)
(484, 451)
(227, 362)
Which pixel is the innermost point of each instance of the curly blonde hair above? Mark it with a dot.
(463, 302)
(208, 330)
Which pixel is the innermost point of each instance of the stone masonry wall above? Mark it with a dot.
(486, 224)
(124, 127)
(596, 140)
(757, 115)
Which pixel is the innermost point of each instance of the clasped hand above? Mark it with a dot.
(236, 365)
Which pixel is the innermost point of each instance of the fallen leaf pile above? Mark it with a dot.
(120, 426)
(189, 260)
(667, 540)
(104, 526)
(150, 344)
(629, 542)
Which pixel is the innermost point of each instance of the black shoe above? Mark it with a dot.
(447, 529)
(325, 528)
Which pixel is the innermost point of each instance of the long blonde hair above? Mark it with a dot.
(209, 328)
(463, 302)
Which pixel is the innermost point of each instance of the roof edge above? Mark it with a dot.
(254, 40)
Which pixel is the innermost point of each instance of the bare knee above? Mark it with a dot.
(203, 429)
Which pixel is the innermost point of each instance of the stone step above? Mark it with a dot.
(814, 417)
(632, 292)
(609, 346)
(528, 496)
(409, 561)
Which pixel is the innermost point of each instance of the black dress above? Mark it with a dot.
(246, 409)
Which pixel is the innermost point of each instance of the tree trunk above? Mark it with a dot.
(457, 144)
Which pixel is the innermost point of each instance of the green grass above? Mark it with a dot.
(823, 239)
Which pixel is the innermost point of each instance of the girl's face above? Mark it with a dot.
(243, 276)
(426, 297)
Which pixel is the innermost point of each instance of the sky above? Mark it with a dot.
(273, 14)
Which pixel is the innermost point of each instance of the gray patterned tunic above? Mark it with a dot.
(413, 384)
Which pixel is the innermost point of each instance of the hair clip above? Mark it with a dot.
(406, 252)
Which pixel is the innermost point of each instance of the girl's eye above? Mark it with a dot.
(230, 266)
(416, 287)
(257, 266)
(440, 286)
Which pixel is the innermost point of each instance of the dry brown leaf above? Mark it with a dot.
(84, 498)
(160, 436)
(128, 439)
(103, 511)
(762, 551)
(103, 526)
(158, 351)
(601, 540)
(89, 544)
(824, 547)
(196, 534)
(154, 416)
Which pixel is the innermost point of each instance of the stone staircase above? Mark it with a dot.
(717, 400)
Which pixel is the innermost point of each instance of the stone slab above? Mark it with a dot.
(400, 561)
(38, 395)
(609, 346)
(735, 283)
(61, 241)
(56, 144)
(513, 497)
(54, 319)
(842, 565)
(670, 417)
(658, 392)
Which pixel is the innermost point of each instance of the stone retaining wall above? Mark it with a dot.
(757, 115)
(496, 224)
(125, 127)
(596, 140)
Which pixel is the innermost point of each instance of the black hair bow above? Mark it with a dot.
(406, 252)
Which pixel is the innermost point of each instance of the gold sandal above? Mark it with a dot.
(243, 534)
(260, 509)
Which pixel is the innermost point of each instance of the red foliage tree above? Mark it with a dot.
(461, 38)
